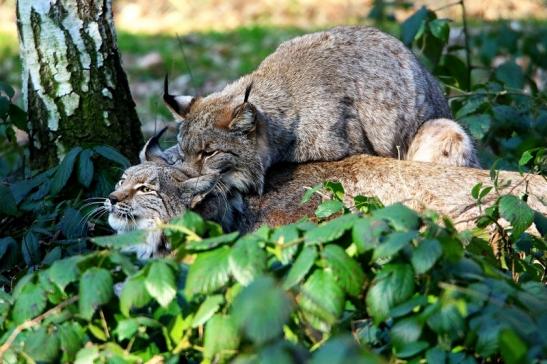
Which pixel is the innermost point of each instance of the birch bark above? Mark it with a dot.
(74, 88)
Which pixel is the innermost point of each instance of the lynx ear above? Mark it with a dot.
(152, 151)
(244, 115)
(178, 105)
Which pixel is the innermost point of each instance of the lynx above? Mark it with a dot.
(320, 97)
(157, 191)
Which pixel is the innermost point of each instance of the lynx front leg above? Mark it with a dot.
(443, 141)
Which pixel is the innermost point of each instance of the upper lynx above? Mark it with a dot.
(322, 96)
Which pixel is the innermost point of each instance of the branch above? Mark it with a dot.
(35, 321)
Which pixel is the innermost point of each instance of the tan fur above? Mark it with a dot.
(443, 141)
(422, 186)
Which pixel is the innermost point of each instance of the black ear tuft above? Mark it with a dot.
(152, 151)
(178, 105)
(169, 99)
(248, 92)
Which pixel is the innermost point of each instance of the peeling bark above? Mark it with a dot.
(421, 186)
(74, 88)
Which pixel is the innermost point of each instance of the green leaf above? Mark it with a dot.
(18, 117)
(64, 271)
(328, 208)
(64, 171)
(406, 331)
(209, 272)
(410, 27)
(7, 89)
(121, 240)
(134, 294)
(85, 168)
(335, 188)
(207, 309)
(525, 158)
(367, 204)
(470, 106)
(4, 107)
(42, 346)
(540, 221)
(71, 337)
(399, 216)
(97, 332)
(478, 125)
(510, 74)
(247, 259)
(517, 212)
(475, 190)
(261, 322)
(8, 253)
(408, 306)
(87, 355)
(435, 355)
(95, 290)
(447, 321)
(347, 271)
(126, 329)
(393, 243)
(310, 192)
(343, 350)
(367, 233)
(440, 29)
(393, 284)
(210, 243)
(113, 155)
(301, 267)
(330, 230)
(283, 236)
(513, 349)
(322, 300)
(411, 349)
(31, 248)
(425, 255)
(221, 337)
(8, 206)
(29, 303)
(160, 283)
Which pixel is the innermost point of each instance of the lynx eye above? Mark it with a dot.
(120, 182)
(207, 154)
(144, 189)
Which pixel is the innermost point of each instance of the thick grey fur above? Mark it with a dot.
(319, 97)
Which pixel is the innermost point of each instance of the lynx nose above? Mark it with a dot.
(113, 199)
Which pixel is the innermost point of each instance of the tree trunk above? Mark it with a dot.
(74, 88)
(421, 186)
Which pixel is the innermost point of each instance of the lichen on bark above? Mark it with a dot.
(75, 90)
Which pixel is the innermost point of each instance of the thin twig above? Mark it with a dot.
(31, 323)
(467, 47)
(447, 6)
(187, 64)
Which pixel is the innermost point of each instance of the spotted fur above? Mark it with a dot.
(151, 193)
(157, 190)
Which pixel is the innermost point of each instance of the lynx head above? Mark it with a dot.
(220, 135)
(154, 191)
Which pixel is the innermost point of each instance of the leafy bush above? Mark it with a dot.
(404, 285)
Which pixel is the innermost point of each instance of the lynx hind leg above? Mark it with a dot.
(443, 141)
